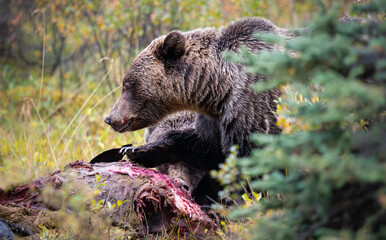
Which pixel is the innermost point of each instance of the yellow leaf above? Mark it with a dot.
(60, 26)
(119, 203)
(36, 53)
(257, 196)
(315, 99)
(224, 225)
(100, 22)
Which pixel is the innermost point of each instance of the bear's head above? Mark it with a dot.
(147, 90)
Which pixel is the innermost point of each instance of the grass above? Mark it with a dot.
(35, 141)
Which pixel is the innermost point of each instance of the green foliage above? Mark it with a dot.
(327, 177)
(229, 176)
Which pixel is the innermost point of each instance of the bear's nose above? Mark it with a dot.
(107, 120)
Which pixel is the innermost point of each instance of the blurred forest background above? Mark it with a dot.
(62, 62)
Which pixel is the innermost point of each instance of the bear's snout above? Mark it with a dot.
(108, 120)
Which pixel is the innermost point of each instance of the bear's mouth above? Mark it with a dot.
(132, 124)
(126, 126)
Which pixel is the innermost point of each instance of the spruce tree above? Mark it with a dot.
(325, 175)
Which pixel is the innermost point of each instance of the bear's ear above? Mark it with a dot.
(172, 48)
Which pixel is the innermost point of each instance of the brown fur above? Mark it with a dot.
(186, 71)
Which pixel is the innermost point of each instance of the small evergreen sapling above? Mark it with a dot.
(327, 174)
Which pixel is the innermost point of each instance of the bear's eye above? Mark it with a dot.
(127, 85)
(130, 87)
(128, 82)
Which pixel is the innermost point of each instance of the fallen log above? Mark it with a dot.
(153, 200)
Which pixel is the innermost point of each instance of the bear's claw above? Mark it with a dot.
(149, 155)
(125, 150)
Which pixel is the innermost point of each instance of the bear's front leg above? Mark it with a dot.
(152, 154)
(178, 146)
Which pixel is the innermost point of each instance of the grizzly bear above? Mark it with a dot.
(187, 71)
(196, 180)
